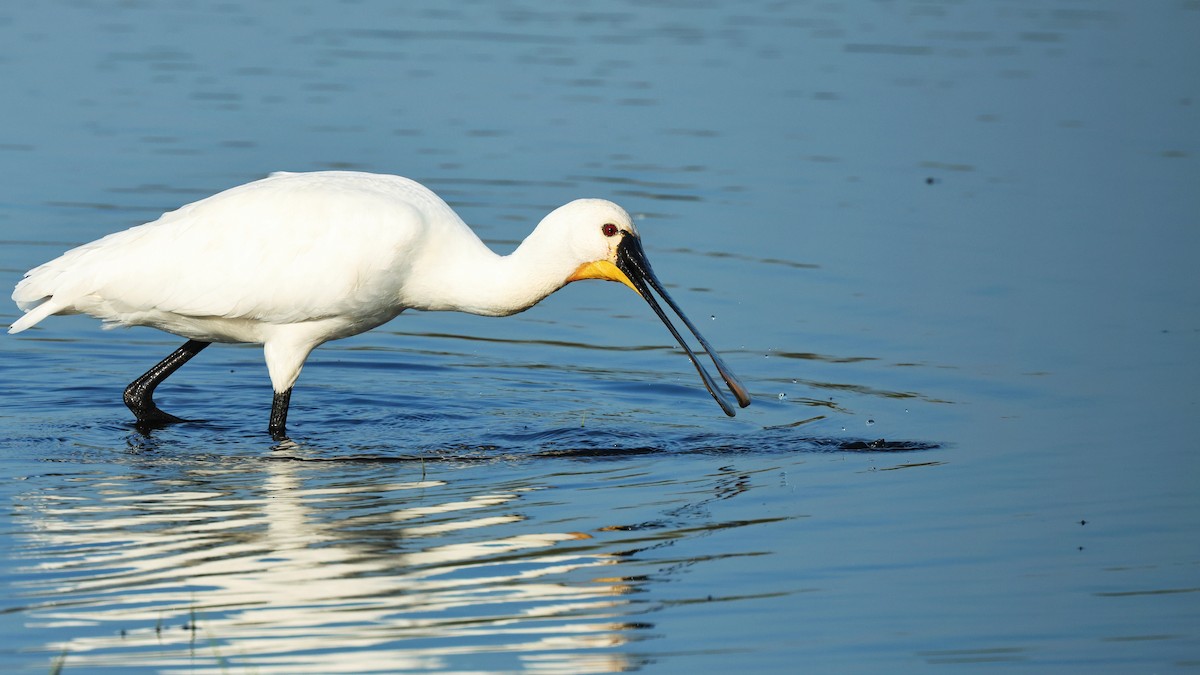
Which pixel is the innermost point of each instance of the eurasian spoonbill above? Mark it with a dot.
(297, 259)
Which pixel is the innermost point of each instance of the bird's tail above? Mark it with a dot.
(48, 307)
(36, 297)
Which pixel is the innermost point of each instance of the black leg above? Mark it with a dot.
(139, 395)
(279, 408)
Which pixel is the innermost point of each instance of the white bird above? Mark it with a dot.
(297, 259)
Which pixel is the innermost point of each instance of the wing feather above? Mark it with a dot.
(285, 249)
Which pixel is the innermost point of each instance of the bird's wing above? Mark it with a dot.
(285, 249)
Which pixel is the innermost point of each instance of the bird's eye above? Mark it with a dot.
(609, 229)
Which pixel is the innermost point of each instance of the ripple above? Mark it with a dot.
(276, 563)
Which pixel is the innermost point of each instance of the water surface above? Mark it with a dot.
(949, 247)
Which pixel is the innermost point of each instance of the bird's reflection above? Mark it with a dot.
(269, 566)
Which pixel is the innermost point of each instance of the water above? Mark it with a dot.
(949, 247)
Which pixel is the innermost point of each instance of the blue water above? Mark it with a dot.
(949, 248)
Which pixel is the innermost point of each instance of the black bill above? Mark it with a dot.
(631, 260)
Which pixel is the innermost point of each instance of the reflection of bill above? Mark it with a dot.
(280, 577)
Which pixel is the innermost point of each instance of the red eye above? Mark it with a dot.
(609, 229)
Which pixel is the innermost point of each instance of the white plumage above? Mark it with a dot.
(298, 259)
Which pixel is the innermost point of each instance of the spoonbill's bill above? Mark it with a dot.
(298, 259)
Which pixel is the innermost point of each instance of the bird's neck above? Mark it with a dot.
(479, 281)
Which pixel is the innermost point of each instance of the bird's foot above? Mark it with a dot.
(153, 417)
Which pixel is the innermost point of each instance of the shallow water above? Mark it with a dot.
(948, 247)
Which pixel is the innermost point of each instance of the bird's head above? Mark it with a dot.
(598, 229)
(603, 237)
